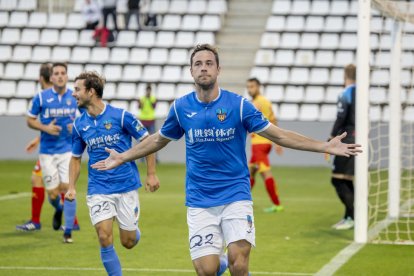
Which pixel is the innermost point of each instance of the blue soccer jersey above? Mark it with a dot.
(113, 128)
(215, 133)
(49, 105)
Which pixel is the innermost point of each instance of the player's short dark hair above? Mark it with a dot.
(45, 71)
(350, 72)
(91, 79)
(256, 80)
(204, 47)
(57, 64)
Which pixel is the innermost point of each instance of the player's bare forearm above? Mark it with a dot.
(33, 123)
(297, 141)
(148, 146)
(293, 140)
(74, 171)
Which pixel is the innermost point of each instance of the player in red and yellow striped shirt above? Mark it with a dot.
(261, 147)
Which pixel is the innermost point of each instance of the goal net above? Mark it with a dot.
(390, 191)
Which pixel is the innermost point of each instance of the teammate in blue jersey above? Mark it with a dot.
(53, 111)
(215, 123)
(112, 194)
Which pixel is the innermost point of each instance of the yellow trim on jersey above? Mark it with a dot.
(264, 106)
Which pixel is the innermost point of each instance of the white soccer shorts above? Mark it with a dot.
(55, 169)
(210, 229)
(124, 207)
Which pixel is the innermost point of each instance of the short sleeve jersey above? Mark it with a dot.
(345, 118)
(264, 106)
(215, 135)
(114, 129)
(49, 105)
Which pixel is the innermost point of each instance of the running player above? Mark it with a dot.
(38, 190)
(215, 123)
(56, 109)
(261, 147)
(343, 168)
(112, 194)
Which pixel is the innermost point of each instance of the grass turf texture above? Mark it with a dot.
(298, 240)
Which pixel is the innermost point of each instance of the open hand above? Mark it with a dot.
(114, 160)
(336, 147)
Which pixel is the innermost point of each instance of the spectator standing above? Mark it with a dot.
(91, 12)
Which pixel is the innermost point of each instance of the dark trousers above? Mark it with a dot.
(91, 25)
(110, 11)
(128, 16)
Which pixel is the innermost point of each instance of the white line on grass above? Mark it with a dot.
(14, 196)
(166, 270)
(340, 259)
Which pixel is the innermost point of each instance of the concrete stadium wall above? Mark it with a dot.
(15, 135)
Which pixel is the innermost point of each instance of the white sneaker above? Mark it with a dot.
(345, 224)
(338, 223)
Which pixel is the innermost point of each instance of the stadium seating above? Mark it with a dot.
(29, 37)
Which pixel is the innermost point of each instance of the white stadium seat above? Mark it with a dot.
(210, 23)
(94, 67)
(120, 104)
(270, 40)
(348, 41)
(377, 95)
(138, 56)
(99, 55)
(17, 107)
(334, 24)
(26, 89)
(320, 7)
(3, 106)
(184, 89)
(184, 39)
(165, 39)
(109, 91)
(171, 22)
(8, 5)
(380, 77)
(80, 54)
(197, 7)
(264, 57)
(294, 94)
(30, 36)
(290, 40)
(61, 54)
(126, 91)
(68, 37)
(49, 37)
(4, 19)
(288, 112)
(278, 75)
(275, 23)
(204, 37)
(158, 56)
(27, 5)
(336, 77)
(126, 38)
(314, 24)
(319, 76)
(375, 113)
(295, 23)
(178, 57)
(131, 73)
(119, 55)
(329, 41)
(146, 39)
(56, 20)
(7, 88)
(324, 58)
(14, 71)
(339, 7)
(309, 41)
(5, 52)
(314, 94)
(260, 72)
(408, 115)
(31, 71)
(274, 93)
(343, 58)
(301, 7)
(86, 38)
(351, 24)
(327, 112)
(178, 6)
(38, 20)
(190, 23)
(171, 73)
(217, 6)
(18, 19)
(10, 36)
(151, 73)
(309, 112)
(165, 91)
(161, 109)
(332, 94)
(112, 72)
(159, 6)
(75, 21)
(304, 58)
(281, 7)
(299, 76)
(186, 75)
(284, 57)
(74, 70)
(22, 53)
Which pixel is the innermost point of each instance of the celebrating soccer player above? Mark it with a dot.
(56, 109)
(215, 123)
(112, 194)
(261, 147)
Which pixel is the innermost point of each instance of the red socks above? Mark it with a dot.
(252, 181)
(271, 190)
(38, 197)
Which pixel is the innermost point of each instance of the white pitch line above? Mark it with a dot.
(340, 259)
(166, 270)
(14, 196)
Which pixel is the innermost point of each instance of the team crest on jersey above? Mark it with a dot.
(108, 124)
(68, 101)
(221, 114)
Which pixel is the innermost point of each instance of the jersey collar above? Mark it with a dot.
(99, 115)
(210, 103)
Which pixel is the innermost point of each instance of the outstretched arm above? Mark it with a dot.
(149, 145)
(297, 141)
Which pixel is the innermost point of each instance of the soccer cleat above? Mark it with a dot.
(28, 226)
(344, 224)
(67, 238)
(274, 209)
(57, 219)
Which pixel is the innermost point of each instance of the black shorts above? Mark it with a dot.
(343, 165)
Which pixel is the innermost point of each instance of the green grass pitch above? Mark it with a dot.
(298, 241)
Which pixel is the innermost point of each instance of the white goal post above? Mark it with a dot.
(383, 204)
